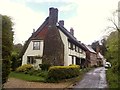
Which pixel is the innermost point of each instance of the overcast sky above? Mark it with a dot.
(88, 18)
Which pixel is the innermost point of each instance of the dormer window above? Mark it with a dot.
(71, 46)
(36, 45)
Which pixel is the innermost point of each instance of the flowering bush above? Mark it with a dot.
(24, 68)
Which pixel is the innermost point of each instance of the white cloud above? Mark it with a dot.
(67, 7)
(23, 17)
(91, 19)
(89, 22)
(50, 1)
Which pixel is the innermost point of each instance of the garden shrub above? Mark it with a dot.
(56, 73)
(15, 61)
(5, 69)
(44, 66)
(36, 72)
(73, 65)
(43, 74)
(24, 68)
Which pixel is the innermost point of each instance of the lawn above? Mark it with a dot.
(41, 77)
(112, 79)
(27, 77)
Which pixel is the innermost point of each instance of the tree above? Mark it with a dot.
(7, 45)
(103, 47)
(15, 60)
(95, 45)
(113, 46)
(112, 50)
(115, 20)
(17, 48)
(99, 47)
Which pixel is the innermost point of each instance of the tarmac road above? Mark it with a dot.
(93, 79)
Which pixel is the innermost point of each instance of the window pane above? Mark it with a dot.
(72, 59)
(31, 60)
(28, 60)
(36, 45)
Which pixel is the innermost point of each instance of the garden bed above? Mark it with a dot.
(21, 80)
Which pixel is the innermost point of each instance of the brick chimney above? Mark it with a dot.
(72, 31)
(61, 22)
(53, 52)
(53, 16)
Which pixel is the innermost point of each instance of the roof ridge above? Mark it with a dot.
(32, 36)
(71, 37)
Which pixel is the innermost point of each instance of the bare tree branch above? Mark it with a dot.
(114, 23)
(111, 28)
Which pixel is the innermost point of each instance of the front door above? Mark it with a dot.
(77, 61)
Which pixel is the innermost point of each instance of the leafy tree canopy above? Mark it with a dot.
(7, 45)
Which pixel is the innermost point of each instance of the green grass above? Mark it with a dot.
(40, 76)
(112, 79)
(27, 77)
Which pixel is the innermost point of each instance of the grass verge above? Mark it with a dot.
(112, 79)
(41, 78)
(27, 77)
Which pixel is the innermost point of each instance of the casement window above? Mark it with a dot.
(72, 59)
(78, 49)
(73, 47)
(70, 45)
(81, 51)
(36, 45)
(31, 60)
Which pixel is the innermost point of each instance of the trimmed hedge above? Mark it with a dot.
(24, 68)
(56, 73)
(44, 66)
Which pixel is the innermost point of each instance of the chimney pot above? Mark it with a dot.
(33, 31)
(72, 31)
(61, 22)
(79, 41)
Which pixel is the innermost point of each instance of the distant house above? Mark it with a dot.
(100, 59)
(91, 56)
(53, 44)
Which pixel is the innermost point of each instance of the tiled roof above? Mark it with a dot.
(71, 37)
(100, 55)
(33, 36)
(89, 48)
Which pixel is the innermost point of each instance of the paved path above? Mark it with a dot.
(17, 83)
(93, 79)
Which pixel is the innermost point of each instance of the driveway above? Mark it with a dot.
(93, 79)
(17, 83)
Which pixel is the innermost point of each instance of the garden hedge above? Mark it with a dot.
(44, 66)
(56, 73)
(24, 68)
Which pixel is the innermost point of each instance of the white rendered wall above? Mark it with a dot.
(30, 52)
(68, 52)
(79, 55)
(65, 42)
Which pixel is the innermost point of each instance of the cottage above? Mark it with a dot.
(100, 59)
(91, 56)
(53, 44)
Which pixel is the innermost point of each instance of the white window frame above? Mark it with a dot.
(36, 45)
